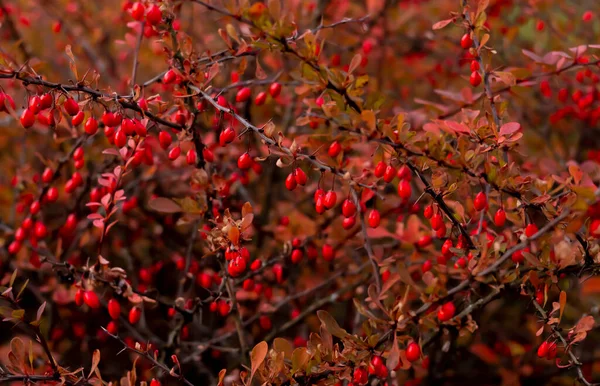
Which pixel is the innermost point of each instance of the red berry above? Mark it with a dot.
(78, 153)
(174, 153)
(404, 189)
(413, 352)
(349, 222)
(374, 218)
(154, 15)
(244, 161)
(226, 136)
(78, 118)
(587, 16)
(530, 230)
(500, 217)
(134, 315)
(389, 174)
(480, 201)
(112, 327)
(91, 126)
(334, 149)
(91, 299)
(380, 169)
(437, 222)
(137, 11)
(328, 252)
(27, 118)
(348, 208)
(297, 255)
(290, 182)
(164, 139)
(446, 312)
(71, 107)
(466, 41)
(120, 138)
(540, 25)
(34, 208)
(543, 349)
(47, 175)
(300, 176)
(427, 265)
(275, 90)
(243, 95)
(52, 194)
(190, 157)
(330, 199)
(428, 211)
(208, 155)
(35, 104)
(79, 297)
(46, 101)
(169, 77)
(360, 376)
(475, 79)
(260, 98)
(114, 309)
(40, 230)
(474, 65)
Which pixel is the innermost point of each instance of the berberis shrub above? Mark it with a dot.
(299, 192)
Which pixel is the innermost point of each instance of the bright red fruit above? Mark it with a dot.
(330, 199)
(154, 15)
(446, 312)
(334, 149)
(428, 212)
(543, 349)
(348, 208)
(380, 169)
(404, 189)
(174, 153)
(275, 90)
(389, 174)
(71, 107)
(328, 252)
(134, 315)
(79, 297)
(244, 161)
(500, 217)
(27, 118)
(114, 309)
(260, 98)
(300, 176)
(475, 79)
(169, 77)
(466, 41)
(137, 11)
(531, 229)
(437, 222)
(243, 95)
(290, 182)
(413, 352)
(190, 157)
(164, 139)
(91, 299)
(374, 218)
(91, 126)
(480, 201)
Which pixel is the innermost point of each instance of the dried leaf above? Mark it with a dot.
(441, 24)
(257, 357)
(562, 301)
(95, 361)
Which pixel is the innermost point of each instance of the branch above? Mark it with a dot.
(367, 241)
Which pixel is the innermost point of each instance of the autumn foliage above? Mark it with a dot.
(311, 192)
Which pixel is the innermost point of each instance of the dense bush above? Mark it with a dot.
(299, 192)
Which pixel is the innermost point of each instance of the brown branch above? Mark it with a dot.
(367, 241)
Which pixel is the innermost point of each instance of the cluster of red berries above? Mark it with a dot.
(238, 260)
